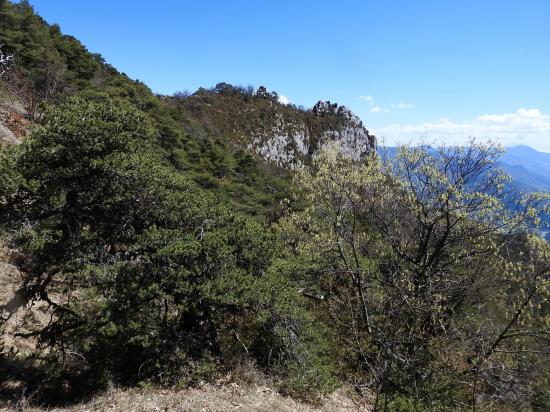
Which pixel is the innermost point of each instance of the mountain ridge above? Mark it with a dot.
(237, 142)
(529, 168)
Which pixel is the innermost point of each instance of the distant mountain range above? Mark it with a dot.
(530, 172)
(529, 168)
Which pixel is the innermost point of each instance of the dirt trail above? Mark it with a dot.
(228, 397)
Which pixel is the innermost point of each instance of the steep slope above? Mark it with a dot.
(239, 143)
(13, 124)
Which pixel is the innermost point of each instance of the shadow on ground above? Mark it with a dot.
(30, 382)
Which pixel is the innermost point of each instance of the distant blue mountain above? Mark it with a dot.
(530, 172)
(529, 168)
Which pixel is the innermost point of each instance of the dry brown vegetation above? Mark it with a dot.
(209, 397)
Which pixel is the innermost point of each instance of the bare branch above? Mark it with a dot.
(6, 60)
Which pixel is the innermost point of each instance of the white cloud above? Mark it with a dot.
(526, 126)
(374, 108)
(368, 99)
(283, 99)
(378, 109)
(402, 105)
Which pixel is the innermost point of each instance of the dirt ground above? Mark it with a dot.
(228, 397)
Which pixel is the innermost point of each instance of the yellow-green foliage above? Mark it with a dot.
(428, 277)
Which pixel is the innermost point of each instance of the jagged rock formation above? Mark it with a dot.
(284, 135)
(288, 141)
(353, 137)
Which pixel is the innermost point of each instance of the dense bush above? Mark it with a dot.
(147, 275)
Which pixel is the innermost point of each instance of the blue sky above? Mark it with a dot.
(445, 70)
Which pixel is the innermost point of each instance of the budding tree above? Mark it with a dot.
(403, 253)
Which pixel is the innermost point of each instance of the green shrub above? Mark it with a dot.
(153, 278)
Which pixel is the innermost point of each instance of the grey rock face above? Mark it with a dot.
(288, 143)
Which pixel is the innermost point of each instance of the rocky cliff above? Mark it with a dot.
(284, 135)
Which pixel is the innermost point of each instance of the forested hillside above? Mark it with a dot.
(167, 241)
(213, 135)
